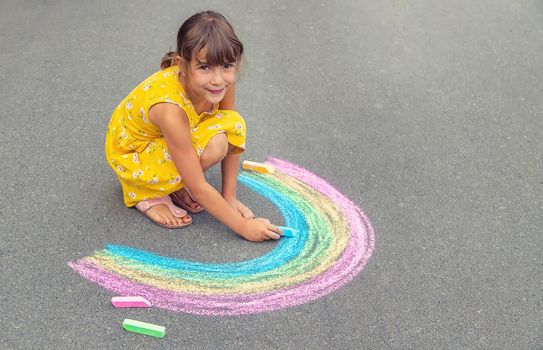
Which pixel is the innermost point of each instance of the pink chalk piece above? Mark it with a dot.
(130, 302)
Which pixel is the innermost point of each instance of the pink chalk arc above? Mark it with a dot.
(353, 259)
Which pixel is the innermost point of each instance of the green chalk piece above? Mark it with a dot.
(144, 328)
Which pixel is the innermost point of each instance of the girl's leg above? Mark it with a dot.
(215, 151)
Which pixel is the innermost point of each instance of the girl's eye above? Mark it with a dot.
(228, 65)
(204, 67)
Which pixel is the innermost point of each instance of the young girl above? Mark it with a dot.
(178, 123)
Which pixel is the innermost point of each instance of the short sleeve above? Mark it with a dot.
(164, 90)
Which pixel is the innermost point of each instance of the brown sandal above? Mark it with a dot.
(178, 201)
(144, 206)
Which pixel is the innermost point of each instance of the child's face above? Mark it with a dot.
(210, 83)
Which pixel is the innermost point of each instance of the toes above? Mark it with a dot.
(188, 200)
(162, 214)
(192, 203)
(181, 220)
(160, 218)
(168, 219)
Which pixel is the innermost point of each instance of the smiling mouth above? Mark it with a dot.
(216, 92)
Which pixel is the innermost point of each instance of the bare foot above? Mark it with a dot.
(161, 213)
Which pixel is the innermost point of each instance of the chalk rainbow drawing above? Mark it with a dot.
(334, 243)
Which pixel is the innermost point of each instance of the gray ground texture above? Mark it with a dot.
(428, 114)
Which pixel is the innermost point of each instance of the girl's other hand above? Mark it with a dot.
(241, 208)
(260, 229)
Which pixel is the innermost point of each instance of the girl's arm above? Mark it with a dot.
(230, 164)
(229, 169)
(174, 124)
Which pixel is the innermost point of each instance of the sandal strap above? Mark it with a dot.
(166, 200)
(190, 194)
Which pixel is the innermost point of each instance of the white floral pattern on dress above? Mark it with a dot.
(138, 152)
(136, 174)
(143, 116)
(167, 156)
(150, 147)
(175, 180)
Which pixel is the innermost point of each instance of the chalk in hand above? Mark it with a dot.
(144, 328)
(258, 167)
(130, 302)
(288, 231)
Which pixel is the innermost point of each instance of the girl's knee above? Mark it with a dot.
(216, 148)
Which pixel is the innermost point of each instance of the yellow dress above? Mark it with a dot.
(136, 148)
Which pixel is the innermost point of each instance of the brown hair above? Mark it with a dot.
(210, 30)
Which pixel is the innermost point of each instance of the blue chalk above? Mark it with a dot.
(288, 231)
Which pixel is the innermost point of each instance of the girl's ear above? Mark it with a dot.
(181, 63)
(177, 60)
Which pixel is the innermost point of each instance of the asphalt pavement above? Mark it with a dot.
(426, 114)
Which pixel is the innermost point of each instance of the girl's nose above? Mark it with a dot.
(217, 78)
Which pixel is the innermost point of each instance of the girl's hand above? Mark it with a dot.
(241, 208)
(260, 229)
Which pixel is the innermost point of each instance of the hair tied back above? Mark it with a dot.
(167, 60)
